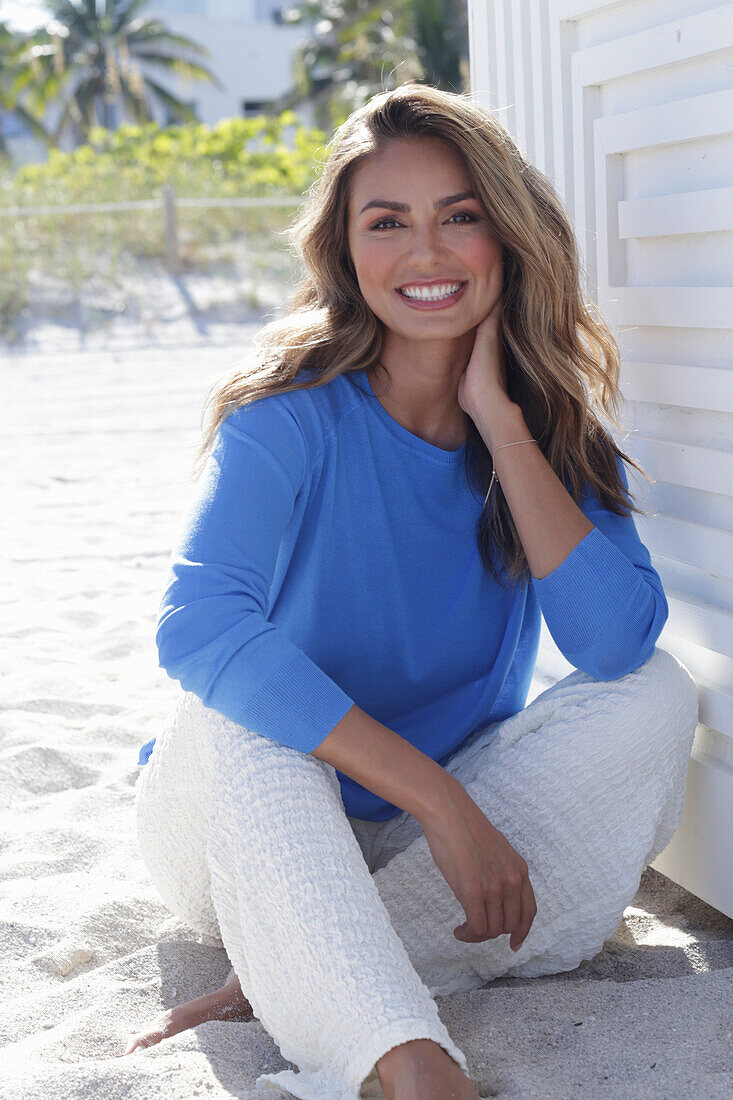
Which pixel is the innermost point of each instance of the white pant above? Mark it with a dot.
(341, 930)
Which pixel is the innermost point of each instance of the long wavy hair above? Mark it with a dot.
(562, 362)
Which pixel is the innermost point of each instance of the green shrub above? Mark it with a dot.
(252, 157)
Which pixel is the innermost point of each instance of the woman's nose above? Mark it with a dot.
(425, 244)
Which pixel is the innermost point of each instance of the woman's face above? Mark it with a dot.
(411, 225)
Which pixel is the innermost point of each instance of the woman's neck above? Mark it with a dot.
(423, 401)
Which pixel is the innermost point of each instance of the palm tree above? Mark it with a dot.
(12, 48)
(355, 48)
(351, 49)
(94, 55)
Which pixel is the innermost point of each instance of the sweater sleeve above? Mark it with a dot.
(604, 605)
(213, 634)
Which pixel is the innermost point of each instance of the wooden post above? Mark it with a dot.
(170, 229)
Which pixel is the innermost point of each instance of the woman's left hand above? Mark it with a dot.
(482, 385)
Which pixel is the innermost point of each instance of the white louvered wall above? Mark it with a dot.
(628, 108)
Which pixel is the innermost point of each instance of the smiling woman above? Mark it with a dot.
(422, 188)
(431, 275)
(426, 258)
(351, 791)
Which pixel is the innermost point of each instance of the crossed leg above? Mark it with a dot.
(588, 784)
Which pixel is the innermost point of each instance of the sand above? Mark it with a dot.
(98, 430)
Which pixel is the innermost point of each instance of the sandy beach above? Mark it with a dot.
(99, 429)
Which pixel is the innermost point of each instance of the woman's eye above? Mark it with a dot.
(383, 223)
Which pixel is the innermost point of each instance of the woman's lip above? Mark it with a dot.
(440, 303)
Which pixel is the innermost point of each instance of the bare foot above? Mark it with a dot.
(421, 1070)
(227, 1003)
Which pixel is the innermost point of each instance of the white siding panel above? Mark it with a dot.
(678, 384)
(701, 468)
(707, 548)
(709, 211)
(627, 106)
(678, 306)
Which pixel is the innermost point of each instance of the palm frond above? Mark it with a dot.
(179, 65)
(154, 31)
(137, 107)
(175, 105)
(81, 23)
(125, 13)
(34, 124)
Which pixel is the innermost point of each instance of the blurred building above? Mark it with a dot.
(250, 49)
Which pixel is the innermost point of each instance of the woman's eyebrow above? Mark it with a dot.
(387, 204)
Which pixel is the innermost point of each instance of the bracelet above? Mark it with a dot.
(493, 472)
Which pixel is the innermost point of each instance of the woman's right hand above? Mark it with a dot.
(487, 875)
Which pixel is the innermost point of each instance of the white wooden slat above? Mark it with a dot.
(609, 251)
(701, 468)
(681, 384)
(681, 39)
(699, 853)
(522, 71)
(585, 108)
(666, 123)
(479, 60)
(715, 702)
(686, 580)
(504, 105)
(539, 51)
(716, 706)
(575, 9)
(669, 306)
(704, 547)
(703, 623)
(560, 93)
(707, 211)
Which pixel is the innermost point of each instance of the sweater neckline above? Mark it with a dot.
(415, 442)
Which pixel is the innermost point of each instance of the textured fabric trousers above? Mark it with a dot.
(341, 930)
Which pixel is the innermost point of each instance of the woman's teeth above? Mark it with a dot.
(430, 293)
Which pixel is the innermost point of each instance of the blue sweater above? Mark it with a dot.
(329, 557)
